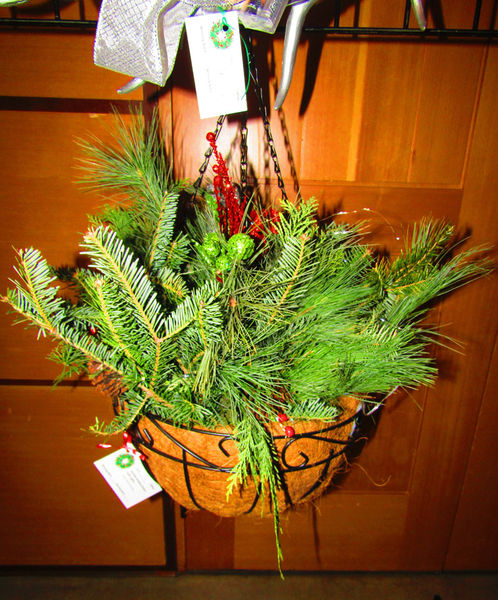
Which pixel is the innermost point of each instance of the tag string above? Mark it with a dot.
(127, 445)
(224, 21)
(225, 26)
(248, 66)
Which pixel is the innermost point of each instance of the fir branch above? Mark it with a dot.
(188, 311)
(84, 344)
(116, 337)
(37, 304)
(72, 360)
(122, 219)
(201, 325)
(293, 277)
(39, 300)
(133, 404)
(179, 251)
(160, 241)
(150, 394)
(114, 260)
(172, 284)
(157, 360)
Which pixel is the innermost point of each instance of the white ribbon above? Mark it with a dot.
(141, 37)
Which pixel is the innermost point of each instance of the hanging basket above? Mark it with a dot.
(194, 465)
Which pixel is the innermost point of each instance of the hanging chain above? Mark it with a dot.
(264, 115)
(207, 155)
(253, 70)
(288, 147)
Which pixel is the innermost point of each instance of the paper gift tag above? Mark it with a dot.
(216, 55)
(127, 476)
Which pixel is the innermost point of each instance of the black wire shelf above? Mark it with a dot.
(15, 23)
(53, 19)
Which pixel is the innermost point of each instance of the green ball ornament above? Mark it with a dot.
(211, 245)
(240, 246)
(209, 260)
(204, 255)
(223, 263)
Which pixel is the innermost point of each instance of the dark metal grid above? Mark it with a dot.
(476, 32)
(53, 20)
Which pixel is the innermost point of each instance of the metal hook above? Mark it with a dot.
(131, 85)
(295, 23)
(418, 9)
(293, 30)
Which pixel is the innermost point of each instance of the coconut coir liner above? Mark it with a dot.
(186, 479)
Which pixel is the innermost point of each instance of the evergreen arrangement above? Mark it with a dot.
(219, 312)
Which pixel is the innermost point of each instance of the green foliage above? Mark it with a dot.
(310, 317)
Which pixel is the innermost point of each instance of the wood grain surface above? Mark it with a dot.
(386, 131)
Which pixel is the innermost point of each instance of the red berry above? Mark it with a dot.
(289, 431)
(218, 181)
(282, 417)
(210, 137)
(92, 330)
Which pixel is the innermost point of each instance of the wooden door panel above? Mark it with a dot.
(475, 531)
(444, 13)
(327, 536)
(388, 114)
(473, 543)
(452, 407)
(399, 137)
(45, 64)
(56, 508)
(447, 107)
(389, 111)
(386, 460)
(42, 207)
(417, 110)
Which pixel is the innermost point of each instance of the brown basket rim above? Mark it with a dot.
(209, 466)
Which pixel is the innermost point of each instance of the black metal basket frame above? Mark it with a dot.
(147, 441)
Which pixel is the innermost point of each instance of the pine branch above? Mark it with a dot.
(137, 163)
